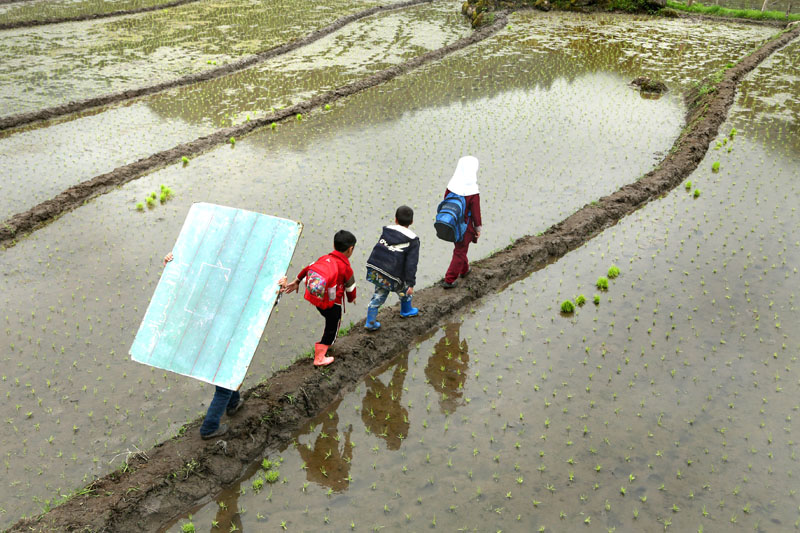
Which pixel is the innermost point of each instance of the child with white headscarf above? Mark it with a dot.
(465, 183)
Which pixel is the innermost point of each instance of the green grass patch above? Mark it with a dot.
(752, 14)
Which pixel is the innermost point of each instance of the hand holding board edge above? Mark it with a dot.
(214, 299)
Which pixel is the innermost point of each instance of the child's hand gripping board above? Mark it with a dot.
(213, 300)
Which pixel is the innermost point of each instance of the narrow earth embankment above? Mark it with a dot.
(89, 16)
(22, 119)
(184, 471)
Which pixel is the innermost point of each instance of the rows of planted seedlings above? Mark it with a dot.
(75, 291)
(664, 402)
(49, 10)
(76, 150)
(73, 151)
(47, 66)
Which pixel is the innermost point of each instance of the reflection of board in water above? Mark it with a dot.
(213, 302)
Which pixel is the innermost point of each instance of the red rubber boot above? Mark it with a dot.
(320, 359)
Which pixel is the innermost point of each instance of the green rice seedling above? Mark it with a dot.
(580, 300)
(258, 484)
(299, 116)
(151, 202)
(596, 299)
(185, 160)
(715, 166)
(602, 283)
(188, 527)
(567, 306)
(272, 476)
(266, 464)
(688, 185)
(139, 206)
(327, 107)
(613, 271)
(696, 193)
(232, 140)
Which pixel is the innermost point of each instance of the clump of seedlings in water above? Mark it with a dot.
(580, 300)
(602, 283)
(567, 306)
(715, 167)
(688, 185)
(596, 299)
(696, 193)
(613, 271)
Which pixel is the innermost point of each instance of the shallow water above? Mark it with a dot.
(82, 147)
(667, 406)
(554, 128)
(50, 9)
(49, 65)
(76, 150)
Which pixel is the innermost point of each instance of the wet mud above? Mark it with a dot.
(89, 16)
(76, 195)
(185, 471)
(22, 119)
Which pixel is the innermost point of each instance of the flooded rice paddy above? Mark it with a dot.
(667, 406)
(59, 9)
(546, 107)
(65, 62)
(79, 148)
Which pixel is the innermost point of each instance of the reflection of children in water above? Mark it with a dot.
(328, 461)
(381, 408)
(447, 368)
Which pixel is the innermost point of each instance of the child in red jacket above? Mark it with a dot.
(343, 244)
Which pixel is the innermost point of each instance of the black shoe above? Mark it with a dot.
(230, 411)
(221, 430)
(447, 285)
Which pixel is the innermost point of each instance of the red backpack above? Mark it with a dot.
(321, 283)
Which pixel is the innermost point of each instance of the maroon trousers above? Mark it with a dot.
(459, 264)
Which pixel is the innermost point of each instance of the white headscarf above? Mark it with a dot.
(465, 178)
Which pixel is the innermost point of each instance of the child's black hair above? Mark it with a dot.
(343, 240)
(404, 215)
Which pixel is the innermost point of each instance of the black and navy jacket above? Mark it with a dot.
(396, 255)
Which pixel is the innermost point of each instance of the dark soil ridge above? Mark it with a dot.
(22, 119)
(89, 16)
(79, 194)
(186, 471)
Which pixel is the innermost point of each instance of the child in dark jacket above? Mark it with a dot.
(343, 244)
(392, 267)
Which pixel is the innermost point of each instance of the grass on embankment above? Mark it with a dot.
(720, 11)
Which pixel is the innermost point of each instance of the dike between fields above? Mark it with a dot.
(186, 471)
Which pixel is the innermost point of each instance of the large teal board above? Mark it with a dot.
(213, 300)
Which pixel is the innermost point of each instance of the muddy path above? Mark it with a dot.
(22, 119)
(187, 471)
(90, 16)
(76, 195)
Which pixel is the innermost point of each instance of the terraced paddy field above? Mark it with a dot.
(667, 405)
(546, 106)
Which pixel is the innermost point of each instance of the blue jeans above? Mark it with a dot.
(380, 295)
(223, 399)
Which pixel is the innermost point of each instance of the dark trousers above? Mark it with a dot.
(223, 399)
(333, 318)
(459, 264)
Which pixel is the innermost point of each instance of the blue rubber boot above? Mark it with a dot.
(371, 324)
(405, 308)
